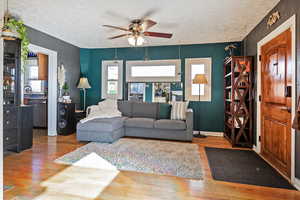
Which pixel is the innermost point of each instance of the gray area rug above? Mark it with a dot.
(148, 156)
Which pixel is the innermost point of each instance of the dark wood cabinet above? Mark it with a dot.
(79, 115)
(238, 101)
(11, 95)
(17, 120)
(26, 127)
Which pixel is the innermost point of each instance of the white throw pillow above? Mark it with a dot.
(92, 109)
(108, 104)
(178, 110)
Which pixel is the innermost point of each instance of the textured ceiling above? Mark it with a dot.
(191, 21)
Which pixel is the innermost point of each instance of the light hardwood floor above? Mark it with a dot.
(35, 176)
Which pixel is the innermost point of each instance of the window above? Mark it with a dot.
(197, 69)
(31, 77)
(33, 72)
(36, 86)
(112, 79)
(136, 91)
(153, 71)
(195, 66)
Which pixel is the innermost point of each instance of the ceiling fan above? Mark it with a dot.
(137, 30)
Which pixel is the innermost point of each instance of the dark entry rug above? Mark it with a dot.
(242, 166)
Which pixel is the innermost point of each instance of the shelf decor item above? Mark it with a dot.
(200, 79)
(238, 101)
(84, 84)
(61, 78)
(231, 49)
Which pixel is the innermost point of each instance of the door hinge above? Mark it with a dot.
(259, 138)
(259, 98)
(259, 57)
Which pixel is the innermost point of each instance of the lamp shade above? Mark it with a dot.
(83, 83)
(200, 79)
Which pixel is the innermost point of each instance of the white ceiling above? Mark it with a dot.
(79, 22)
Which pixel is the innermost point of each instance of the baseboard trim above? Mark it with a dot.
(255, 148)
(210, 133)
(52, 133)
(297, 183)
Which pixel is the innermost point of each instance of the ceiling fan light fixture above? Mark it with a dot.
(136, 40)
(131, 40)
(140, 41)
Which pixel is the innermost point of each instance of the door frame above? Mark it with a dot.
(52, 88)
(2, 6)
(289, 24)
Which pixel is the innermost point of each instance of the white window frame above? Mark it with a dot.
(176, 78)
(207, 62)
(104, 79)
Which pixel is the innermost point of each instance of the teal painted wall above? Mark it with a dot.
(148, 92)
(208, 116)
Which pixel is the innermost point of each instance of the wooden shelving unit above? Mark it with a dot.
(238, 101)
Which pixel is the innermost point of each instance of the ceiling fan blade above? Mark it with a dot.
(156, 34)
(149, 13)
(118, 36)
(118, 16)
(116, 27)
(148, 23)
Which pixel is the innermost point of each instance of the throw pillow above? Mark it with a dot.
(164, 111)
(178, 111)
(108, 104)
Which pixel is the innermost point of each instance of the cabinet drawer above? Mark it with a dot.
(9, 110)
(10, 136)
(10, 122)
(10, 117)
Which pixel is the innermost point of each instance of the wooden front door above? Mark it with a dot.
(276, 77)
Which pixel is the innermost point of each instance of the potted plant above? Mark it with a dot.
(19, 27)
(65, 87)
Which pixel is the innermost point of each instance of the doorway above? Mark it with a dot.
(52, 87)
(285, 100)
(36, 87)
(276, 85)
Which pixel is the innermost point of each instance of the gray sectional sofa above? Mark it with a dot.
(138, 119)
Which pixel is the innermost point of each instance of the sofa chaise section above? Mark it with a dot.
(101, 130)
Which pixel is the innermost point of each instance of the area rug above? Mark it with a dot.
(243, 166)
(148, 156)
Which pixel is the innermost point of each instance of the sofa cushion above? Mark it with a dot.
(125, 107)
(102, 125)
(178, 111)
(139, 122)
(144, 110)
(170, 124)
(164, 110)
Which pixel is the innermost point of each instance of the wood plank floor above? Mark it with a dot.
(34, 175)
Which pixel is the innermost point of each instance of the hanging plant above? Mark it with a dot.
(20, 28)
